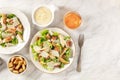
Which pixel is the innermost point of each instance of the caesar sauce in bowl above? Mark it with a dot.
(43, 15)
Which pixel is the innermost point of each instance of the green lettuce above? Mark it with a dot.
(10, 16)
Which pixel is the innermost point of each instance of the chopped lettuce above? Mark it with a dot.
(67, 37)
(55, 59)
(0, 26)
(55, 33)
(1, 34)
(49, 44)
(33, 51)
(18, 32)
(42, 60)
(44, 32)
(67, 54)
(45, 66)
(62, 65)
(14, 41)
(48, 60)
(35, 56)
(3, 45)
(49, 68)
(0, 15)
(8, 23)
(10, 16)
(40, 41)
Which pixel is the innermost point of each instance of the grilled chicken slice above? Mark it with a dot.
(46, 47)
(4, 18)
(50, 65)
(19, 28)
(4, 34)
(44, 54)
(15, 22)
(9, 44)
(55, 53)
(11, 30)
(7, 39)
(63, 61)
(57, 64)
(62, 41)
(3, 22)
(20, 38)
(37, 49)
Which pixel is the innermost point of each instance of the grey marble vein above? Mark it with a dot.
(100, 53)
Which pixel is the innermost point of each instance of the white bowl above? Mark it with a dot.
(26, 25)
(56, 70)
(52, 8)
(21, 72)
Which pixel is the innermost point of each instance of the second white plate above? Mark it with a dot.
(26, 35)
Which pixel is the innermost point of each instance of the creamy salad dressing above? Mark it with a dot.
(43, 16)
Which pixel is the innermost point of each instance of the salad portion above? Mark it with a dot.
(11, 30)
(52, 49)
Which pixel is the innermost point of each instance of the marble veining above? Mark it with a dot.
(101, 50)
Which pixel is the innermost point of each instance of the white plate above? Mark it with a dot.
(23, 19)
(56, 70)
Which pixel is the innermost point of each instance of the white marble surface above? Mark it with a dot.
(101, 50)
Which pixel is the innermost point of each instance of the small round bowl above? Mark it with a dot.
(77, 15)
(52, 8)
(24, 60)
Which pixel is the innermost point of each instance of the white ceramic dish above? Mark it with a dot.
(52, 8)
(26, 65)
(26, 25)
(56, 70)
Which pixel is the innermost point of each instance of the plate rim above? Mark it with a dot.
(50, 72)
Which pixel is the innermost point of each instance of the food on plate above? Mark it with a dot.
(72, 20)
(43, 15)
(17, 64)
(52, 49)
(1, 61)
(11, 30)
